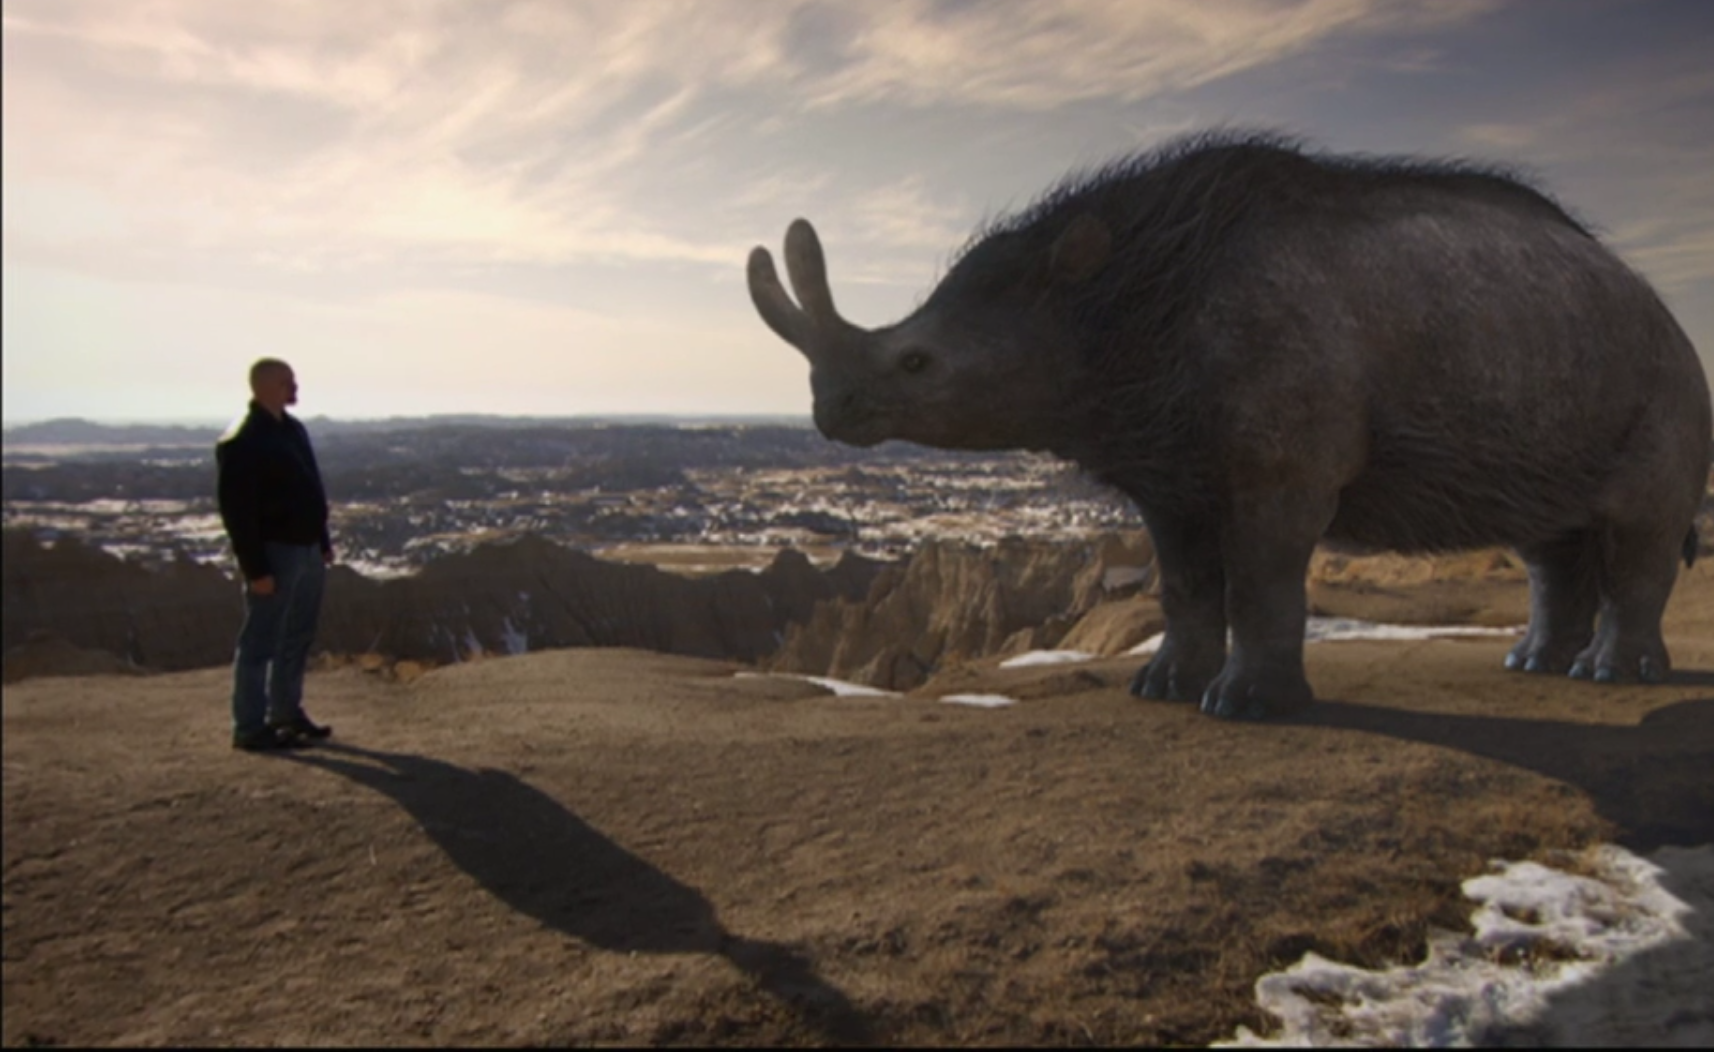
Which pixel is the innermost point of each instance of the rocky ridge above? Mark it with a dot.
(529, 594)
(952, 602)
(892, 625)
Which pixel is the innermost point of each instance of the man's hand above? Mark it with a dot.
(262, 585)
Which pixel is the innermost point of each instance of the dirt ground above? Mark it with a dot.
(608, 846)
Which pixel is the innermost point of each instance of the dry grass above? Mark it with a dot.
(614, 846)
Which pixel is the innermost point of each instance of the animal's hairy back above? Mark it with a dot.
(1183, 217)
(1220, 180)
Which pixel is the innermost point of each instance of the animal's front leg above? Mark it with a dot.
(1267, 545)
(1193, 599)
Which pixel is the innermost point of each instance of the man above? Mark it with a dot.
(275, 512)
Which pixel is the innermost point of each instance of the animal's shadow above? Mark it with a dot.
(1654, 781)
(532, 853)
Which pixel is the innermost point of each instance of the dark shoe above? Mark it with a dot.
(303, 727)
(268, 739)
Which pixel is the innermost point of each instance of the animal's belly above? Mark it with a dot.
(1427, 509)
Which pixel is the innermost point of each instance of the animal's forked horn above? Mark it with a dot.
(776, 308)
(807, 268)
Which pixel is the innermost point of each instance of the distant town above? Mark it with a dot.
(688, 495)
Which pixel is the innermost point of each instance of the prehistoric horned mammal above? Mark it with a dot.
(1263, 347)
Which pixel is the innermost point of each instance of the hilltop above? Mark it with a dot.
(612, 845)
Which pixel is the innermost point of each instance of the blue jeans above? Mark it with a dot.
(273, 646)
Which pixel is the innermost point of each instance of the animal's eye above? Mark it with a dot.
(913, 361)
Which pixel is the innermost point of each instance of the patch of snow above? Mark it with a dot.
(1543, 964)
(195, 527)
(1046, 657)
(377, 571)
(1117, 577)
(846, 689)
(1318, 630)
(128, 552)
(1343, 629)
(1149, 645)
(1337, 629)
(840, 687)
(107, 506)
(981, 701)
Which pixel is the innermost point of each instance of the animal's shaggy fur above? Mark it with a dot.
(1264, 346)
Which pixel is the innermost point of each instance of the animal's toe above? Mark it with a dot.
(1142, 687)
(1540, 659)
(1241, 699)
(1651, 671)
(1644, 668)
(1166, 681)
(1218, 703)
(1227, 708)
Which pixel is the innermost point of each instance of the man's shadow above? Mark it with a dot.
(539, 858)
(1654, 781)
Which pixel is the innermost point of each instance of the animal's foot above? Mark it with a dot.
(1174, 676)
(1614, 663)
(1555, 659)
(1241, 695)
(1164, 681)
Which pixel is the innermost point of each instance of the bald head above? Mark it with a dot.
(273, 385)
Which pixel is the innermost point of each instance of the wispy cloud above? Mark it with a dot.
(1495, 135)
(338, 134)
(551, 172)
(1031, 55)
(1676, 253)
(1623, 133)
(459, 132)
(906, 213)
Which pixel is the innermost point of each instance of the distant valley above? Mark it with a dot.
(689, 497)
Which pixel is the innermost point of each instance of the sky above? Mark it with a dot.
(544, 207)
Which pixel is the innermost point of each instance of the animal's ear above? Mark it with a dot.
(1080, 251)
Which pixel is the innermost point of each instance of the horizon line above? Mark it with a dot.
(216, 422)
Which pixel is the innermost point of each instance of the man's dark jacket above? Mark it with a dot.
(270, 488)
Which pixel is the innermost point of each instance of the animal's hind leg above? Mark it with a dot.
(1564, 595)
(1639, 562)
(1193, 587)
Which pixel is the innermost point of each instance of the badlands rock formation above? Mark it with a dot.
(184, 615)
(954, 602)
(531, 594)
(889, 625)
